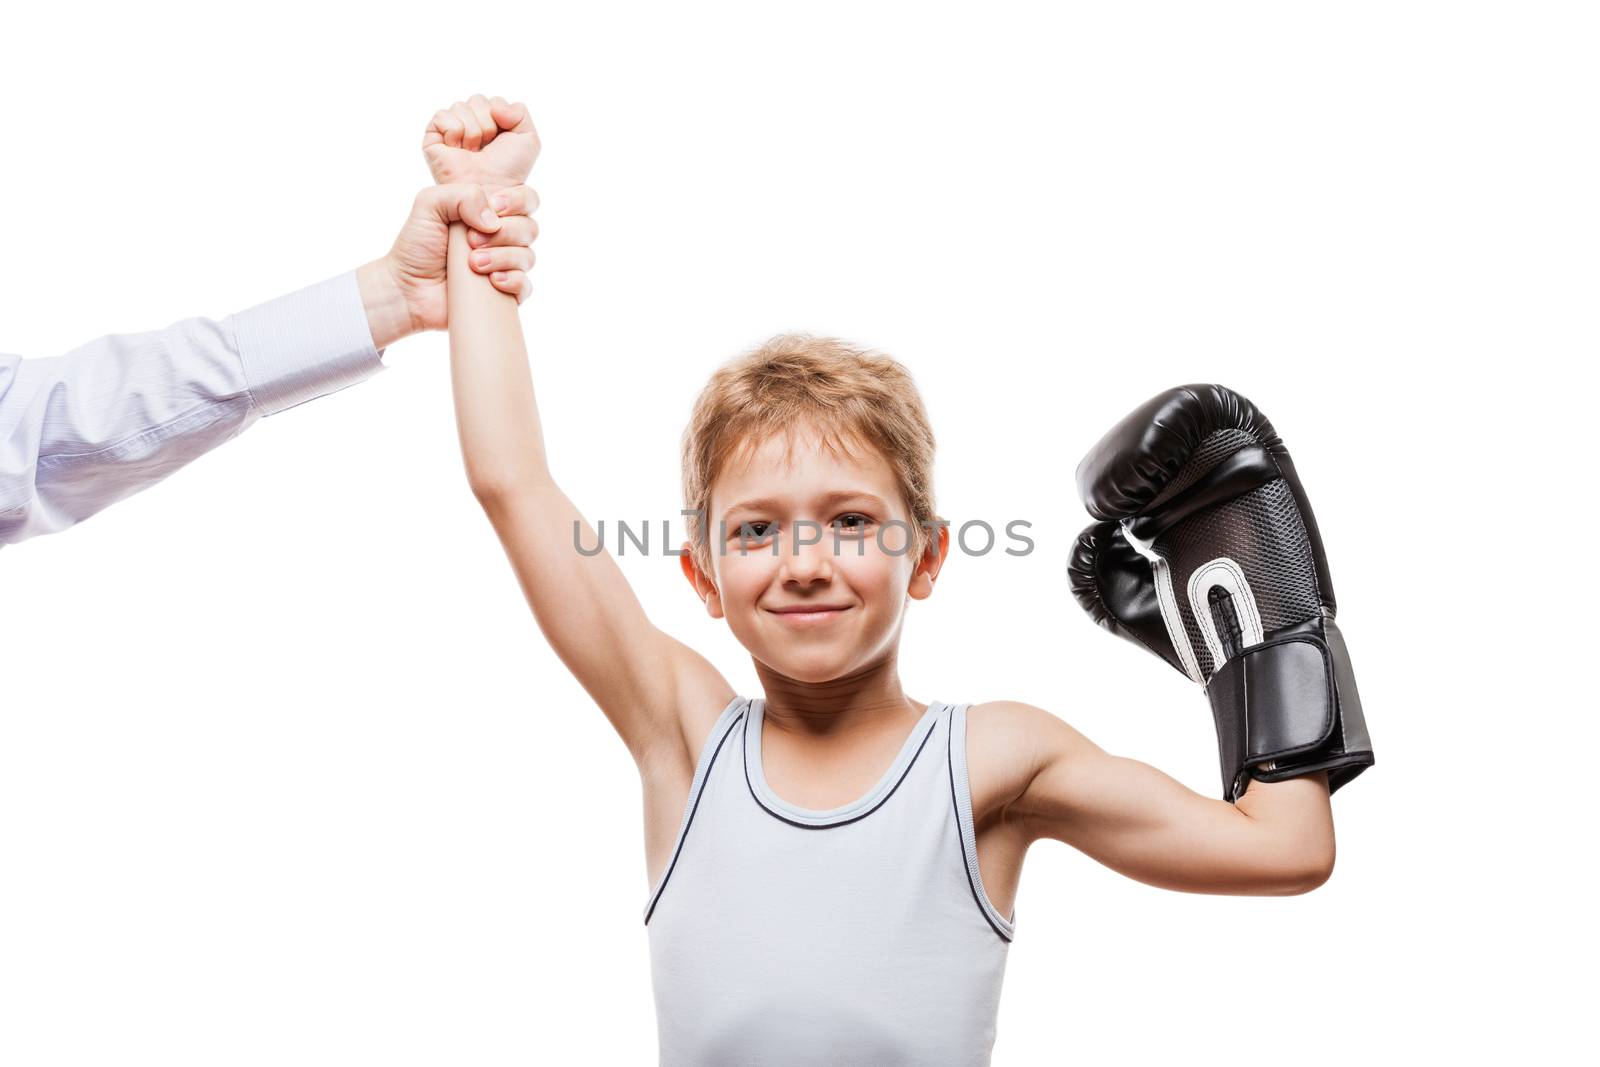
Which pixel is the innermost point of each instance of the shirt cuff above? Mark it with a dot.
(307, 344)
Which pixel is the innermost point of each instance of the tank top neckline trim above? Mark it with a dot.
(855, 810)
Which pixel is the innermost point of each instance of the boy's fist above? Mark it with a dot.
(486, 142)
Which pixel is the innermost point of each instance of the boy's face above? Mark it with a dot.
(850, 563)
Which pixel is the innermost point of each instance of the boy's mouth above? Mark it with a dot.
(808, 613)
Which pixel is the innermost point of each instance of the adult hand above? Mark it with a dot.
(481, 141)
(404, 291)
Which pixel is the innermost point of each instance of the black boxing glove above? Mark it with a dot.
(1208, 555)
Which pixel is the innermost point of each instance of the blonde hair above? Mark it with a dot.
(796, 380)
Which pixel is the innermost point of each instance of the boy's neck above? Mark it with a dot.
(868, 700)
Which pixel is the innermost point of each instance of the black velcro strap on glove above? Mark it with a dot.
(1276, 709)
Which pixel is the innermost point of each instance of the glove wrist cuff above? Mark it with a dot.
(1279, 713)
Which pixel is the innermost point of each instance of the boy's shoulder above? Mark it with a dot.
(1008, 742)
(1014, 723)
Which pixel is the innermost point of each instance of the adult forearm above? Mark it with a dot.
(497, 416)
(120, 413)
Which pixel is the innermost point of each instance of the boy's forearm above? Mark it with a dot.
(1295, 818)
(497, 417)
(1276, 840)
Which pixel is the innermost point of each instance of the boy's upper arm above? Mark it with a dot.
(1145, 824)
(639, 675)
(1066, 778)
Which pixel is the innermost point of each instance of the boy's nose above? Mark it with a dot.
(808, 556)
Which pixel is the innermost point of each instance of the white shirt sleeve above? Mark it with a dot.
(85, 429)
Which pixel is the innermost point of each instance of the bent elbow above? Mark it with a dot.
(1311, 873)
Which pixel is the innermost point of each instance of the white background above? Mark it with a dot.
(287, 773)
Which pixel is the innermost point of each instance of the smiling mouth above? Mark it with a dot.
(810, 614)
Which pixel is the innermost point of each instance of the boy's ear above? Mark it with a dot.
(928, 567)
(704, 587)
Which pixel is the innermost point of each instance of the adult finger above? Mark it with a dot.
(512, 257)
(461, 203)
(514, 230)
(515, 200)
(513, 283)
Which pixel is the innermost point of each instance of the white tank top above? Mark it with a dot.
(786, 937)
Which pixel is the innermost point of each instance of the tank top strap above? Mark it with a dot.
(724, 736)
(961, 799)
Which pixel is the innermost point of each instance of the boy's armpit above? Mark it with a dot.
(702, 693)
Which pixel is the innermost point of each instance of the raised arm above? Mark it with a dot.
(1277, 839)
(583, 603)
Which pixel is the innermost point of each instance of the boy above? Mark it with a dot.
(833, 864)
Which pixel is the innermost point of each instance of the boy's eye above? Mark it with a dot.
(861, 525)
(756, 529)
